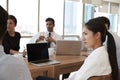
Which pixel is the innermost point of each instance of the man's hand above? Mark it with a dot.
(41, 38)
(50, 39)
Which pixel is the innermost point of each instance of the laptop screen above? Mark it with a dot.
(37, 52)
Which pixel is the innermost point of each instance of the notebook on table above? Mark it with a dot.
(38, 54)
(68, 47)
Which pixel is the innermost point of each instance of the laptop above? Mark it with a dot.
(38, 54)
(68, 47)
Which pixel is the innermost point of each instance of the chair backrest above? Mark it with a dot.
(105, 77)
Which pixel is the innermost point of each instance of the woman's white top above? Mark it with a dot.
(96, 64)
(12, 68)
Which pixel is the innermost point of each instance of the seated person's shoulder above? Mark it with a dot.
(58, 36)
(12, 68)
(17, 34)
(11, 59)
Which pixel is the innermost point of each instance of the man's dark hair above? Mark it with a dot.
(13, 18)
(3, 21)
(50, 19)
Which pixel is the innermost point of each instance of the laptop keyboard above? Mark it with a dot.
(50, 62)
(40, 61)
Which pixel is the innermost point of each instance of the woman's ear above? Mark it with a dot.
(98, 35)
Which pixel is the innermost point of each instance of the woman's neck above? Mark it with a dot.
(98, 44)
(11, 33)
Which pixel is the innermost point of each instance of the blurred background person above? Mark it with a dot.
(11, 39)
(49, 36)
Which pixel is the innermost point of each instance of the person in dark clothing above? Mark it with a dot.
(11, 39)
(11, 43)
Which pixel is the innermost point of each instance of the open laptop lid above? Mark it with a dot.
(37, 52)
(68, 47)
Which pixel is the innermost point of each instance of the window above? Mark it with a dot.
(3, 3)
(26, 12)
(73, 18)
(113, 22)
(88, 12)
(110, 11)
(53, 9)
(68, 16)
(118, 28)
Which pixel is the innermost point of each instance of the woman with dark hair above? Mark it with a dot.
(101, 61)
(11, 39)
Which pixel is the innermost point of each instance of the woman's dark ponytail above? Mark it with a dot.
(111, 48)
